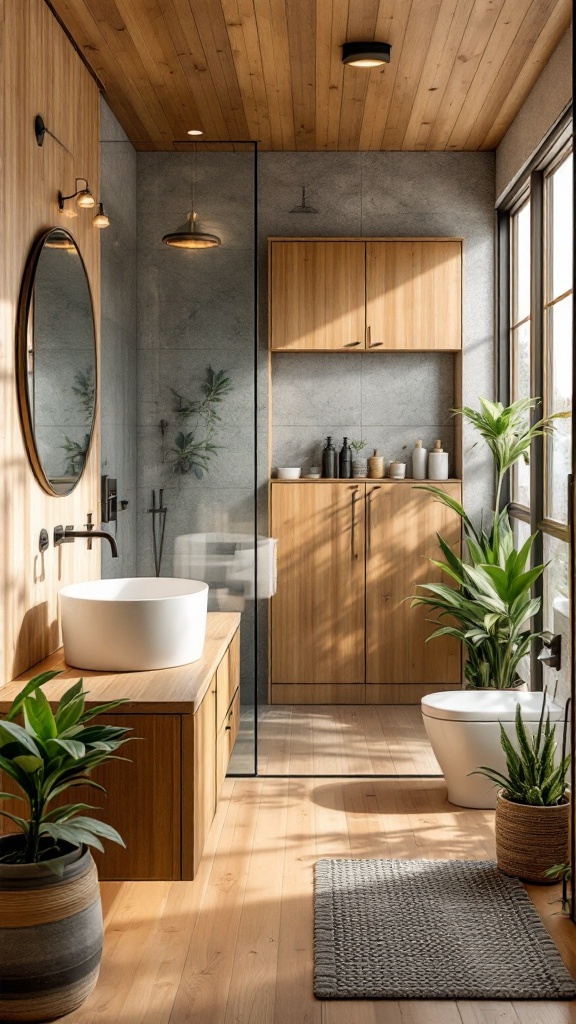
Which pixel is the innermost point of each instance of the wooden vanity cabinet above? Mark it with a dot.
(342, 630)
(163, 800)
(365, 295)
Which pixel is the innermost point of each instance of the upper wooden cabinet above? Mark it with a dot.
(317, 294)
(413, 295)
(375, 295)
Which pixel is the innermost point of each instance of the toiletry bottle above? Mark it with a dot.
(329, 460)
(419, 461)
(376, 466)
(438, 463)
(345, 461)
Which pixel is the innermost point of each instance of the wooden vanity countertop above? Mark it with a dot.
(161, 691)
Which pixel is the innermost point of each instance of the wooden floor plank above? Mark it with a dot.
(343, 740)
(236, 945)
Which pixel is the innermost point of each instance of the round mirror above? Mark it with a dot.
(56, 361)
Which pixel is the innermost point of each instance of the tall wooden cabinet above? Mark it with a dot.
(318, 610)
(365, 295)
(349, 554)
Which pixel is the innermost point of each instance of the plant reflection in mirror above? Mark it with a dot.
(193, 448)
(85, 391)
(76, 453)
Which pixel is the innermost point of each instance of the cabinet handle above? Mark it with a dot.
(353, 531)
(376, 344)
(351, 344)
(369, 516)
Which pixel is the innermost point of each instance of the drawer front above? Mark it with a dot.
(227, 680)
(226, 740)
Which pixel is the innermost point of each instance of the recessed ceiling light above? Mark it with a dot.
(366, 55)
(195, 131)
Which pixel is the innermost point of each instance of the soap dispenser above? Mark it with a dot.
(438, 463)
(419, 461)
(345, 461)
(329, 462)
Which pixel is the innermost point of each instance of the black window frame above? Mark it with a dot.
(530, 184)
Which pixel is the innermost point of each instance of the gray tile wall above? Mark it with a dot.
(119, 347)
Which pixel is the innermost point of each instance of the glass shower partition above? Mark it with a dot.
(197, 350)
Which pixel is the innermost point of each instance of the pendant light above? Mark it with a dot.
(188, 236)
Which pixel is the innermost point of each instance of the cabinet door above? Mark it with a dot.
(318, 611)
(204, 770)
(317, 296)
(401, 527)
(414, 295)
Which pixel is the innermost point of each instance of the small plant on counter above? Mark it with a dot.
(358, 446)
(194, 448)
(490, 609)
(47, 755)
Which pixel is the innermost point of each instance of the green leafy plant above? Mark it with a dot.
(84, 389)
(76, 453)
(533, 777)
(490, 608)
(358, 446)
(193, 449)
(45, 756)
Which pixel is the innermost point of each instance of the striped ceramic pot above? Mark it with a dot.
(50, 936)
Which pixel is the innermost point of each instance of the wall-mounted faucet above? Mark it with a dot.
(67, 535)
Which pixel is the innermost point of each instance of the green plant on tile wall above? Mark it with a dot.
(195, 445)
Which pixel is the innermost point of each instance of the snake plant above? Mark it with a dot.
(48, 754)
(533, 776)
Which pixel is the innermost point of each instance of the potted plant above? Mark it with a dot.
(488, 602)
(359, 465)
(533, 808)
(50, 912)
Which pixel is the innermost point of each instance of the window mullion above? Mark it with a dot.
(537, 385)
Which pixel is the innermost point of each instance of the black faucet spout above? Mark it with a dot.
(67, 534)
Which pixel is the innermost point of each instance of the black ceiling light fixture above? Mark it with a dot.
(366, 55)
(188, 236)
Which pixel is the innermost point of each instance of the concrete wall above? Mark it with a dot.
(546, 101)
(119, 340)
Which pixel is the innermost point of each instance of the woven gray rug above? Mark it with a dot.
(424, 929)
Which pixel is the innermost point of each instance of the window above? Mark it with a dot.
(536, 348)
(520, 332)
(557, 335)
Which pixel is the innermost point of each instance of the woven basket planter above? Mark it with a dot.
(50, 936)
(530, 840)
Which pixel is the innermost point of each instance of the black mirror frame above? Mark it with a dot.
(23, 397)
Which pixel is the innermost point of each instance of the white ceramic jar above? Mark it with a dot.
(438, 463)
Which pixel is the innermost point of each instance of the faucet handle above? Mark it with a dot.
(89, 526)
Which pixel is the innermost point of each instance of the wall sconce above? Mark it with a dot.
(100, 220)
(85, 200)
(83, 196)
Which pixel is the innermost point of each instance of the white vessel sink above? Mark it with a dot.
(132, 625)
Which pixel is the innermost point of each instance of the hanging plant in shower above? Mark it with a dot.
(195, 445)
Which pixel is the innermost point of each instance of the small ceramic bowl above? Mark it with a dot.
(289, 472)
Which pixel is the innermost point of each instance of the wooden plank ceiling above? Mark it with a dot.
(270, 69)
